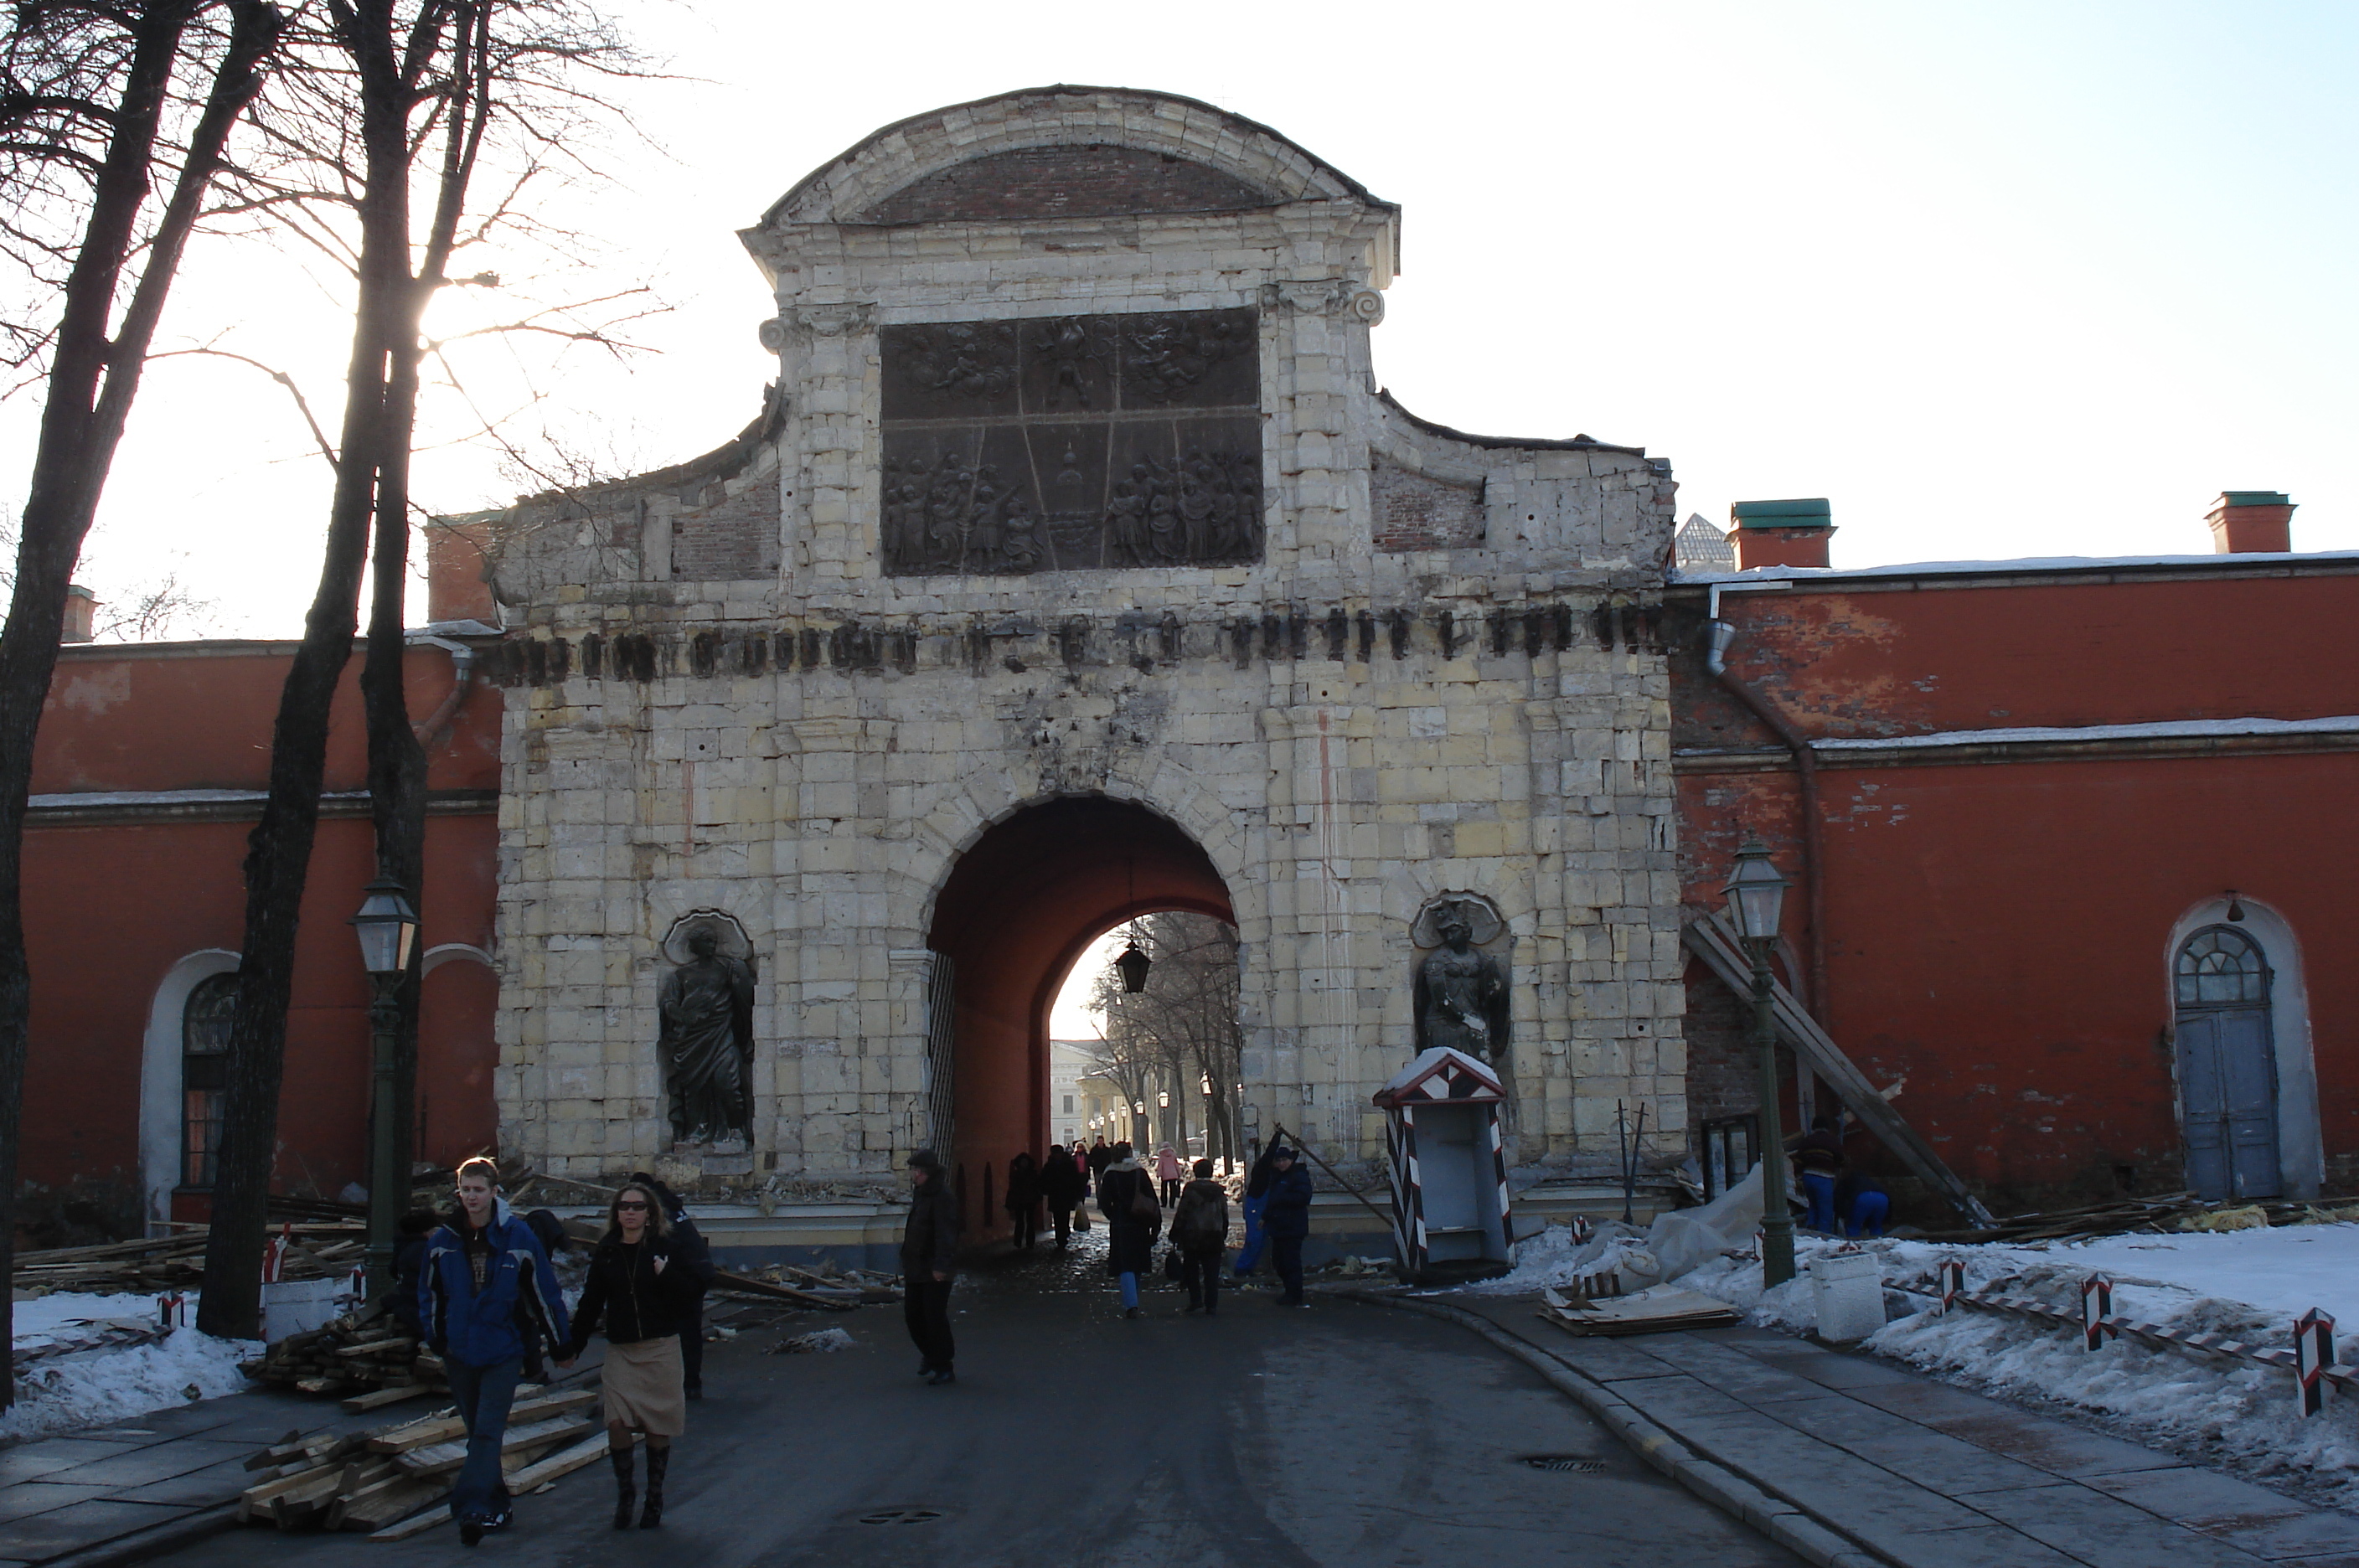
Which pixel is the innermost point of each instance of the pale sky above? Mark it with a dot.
(1070, 1017)
(1998, 279)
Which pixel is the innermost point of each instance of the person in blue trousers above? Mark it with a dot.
(1256, 1200)
(485, 1288)
(1818, 1157)
(1863, 1204)
(1286, 1219)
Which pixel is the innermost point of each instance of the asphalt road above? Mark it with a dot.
(1264, 1438)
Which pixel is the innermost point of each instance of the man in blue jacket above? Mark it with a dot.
(1286, 1219)
(486, 1287)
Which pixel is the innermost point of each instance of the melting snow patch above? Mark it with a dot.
(2251, 1284)
(75, 1369)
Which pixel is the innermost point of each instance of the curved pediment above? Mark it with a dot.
(1084, 179)
(1064, 151)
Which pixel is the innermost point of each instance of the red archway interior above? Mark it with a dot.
(1017, 912)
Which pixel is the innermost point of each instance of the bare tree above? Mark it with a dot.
(398, 102)
(113, 118)
(153, 610)
(1181, 1031)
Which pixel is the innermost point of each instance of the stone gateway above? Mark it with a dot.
(1077, 567)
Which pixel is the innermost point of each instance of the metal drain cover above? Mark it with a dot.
(902, 1516)
(1567, 1463)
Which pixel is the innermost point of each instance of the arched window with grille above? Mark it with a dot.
(2227, 1064)
(204, 1077)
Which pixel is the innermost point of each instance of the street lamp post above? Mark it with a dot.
(1756, 893)
(387, 927)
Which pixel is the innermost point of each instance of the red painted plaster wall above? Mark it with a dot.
(1997, 933)
(112, 908)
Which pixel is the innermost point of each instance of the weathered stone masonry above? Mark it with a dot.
(1439, 676)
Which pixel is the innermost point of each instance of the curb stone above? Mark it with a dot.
(1814, 1541)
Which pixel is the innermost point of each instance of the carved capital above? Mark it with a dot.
(773, 334)
(833, 320)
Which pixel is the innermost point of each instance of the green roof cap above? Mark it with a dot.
(1812, 512)
(2254, 498)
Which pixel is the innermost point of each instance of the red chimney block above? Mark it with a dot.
(82, 615)
(2252, 522)
(1781, 533)
(457, 573)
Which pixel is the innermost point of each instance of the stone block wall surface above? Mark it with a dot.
(700, 718)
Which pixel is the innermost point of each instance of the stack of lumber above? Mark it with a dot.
(365, 1353)
(159, 1263)
(368, 1480)
(2113, 1218)
(177, 1262)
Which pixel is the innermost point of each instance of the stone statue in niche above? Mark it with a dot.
(706, 1007)
(1460, 993)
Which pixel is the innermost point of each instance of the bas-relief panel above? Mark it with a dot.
(1081, 442)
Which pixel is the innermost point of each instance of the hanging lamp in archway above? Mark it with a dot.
(1134, 962)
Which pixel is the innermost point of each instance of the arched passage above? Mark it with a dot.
(1015, 914)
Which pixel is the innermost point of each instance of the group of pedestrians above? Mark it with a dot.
(481, 1292)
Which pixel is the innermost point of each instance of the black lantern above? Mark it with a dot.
(387, 927)
(1133, 966)
(1755, 892)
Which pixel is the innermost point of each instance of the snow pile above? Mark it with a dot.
(2249, 1283)
(1678, 1242)
(76, 1379)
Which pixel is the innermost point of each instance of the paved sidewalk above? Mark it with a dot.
(120, 1492)
(1920, 1473)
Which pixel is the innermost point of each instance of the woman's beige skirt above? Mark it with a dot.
(644, 1387)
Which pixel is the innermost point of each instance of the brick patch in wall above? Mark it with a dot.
(1416, 511)
(1096, 180)
(735, 538)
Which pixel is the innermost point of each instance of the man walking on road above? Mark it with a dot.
(1286, 1219)
(485, 1285)
(929, 1259)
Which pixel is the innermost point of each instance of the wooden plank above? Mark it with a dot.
(564, 1462)
(764, 1289)
(378, 1346)
(436, 1457)
(414, 1525)
(441, 1429)
(381, 1502)
(379, 1398)
(1711, 939)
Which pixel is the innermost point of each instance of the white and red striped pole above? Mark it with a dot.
(1951, 1275)
(2096, 1306)
(2313, 1353)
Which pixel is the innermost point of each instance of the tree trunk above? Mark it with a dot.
(278, 854)
(94, 380)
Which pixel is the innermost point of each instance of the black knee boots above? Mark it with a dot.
(626, 1493)
(659, 1460)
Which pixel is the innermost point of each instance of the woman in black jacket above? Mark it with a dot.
(1126, 1198)
(642, 1289)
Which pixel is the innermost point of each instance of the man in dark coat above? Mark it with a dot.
(928, 1262)
(1133, 1219)
(1023, 1201)
(1064, 1186)
(1200, 1229)
(1286, 1219)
